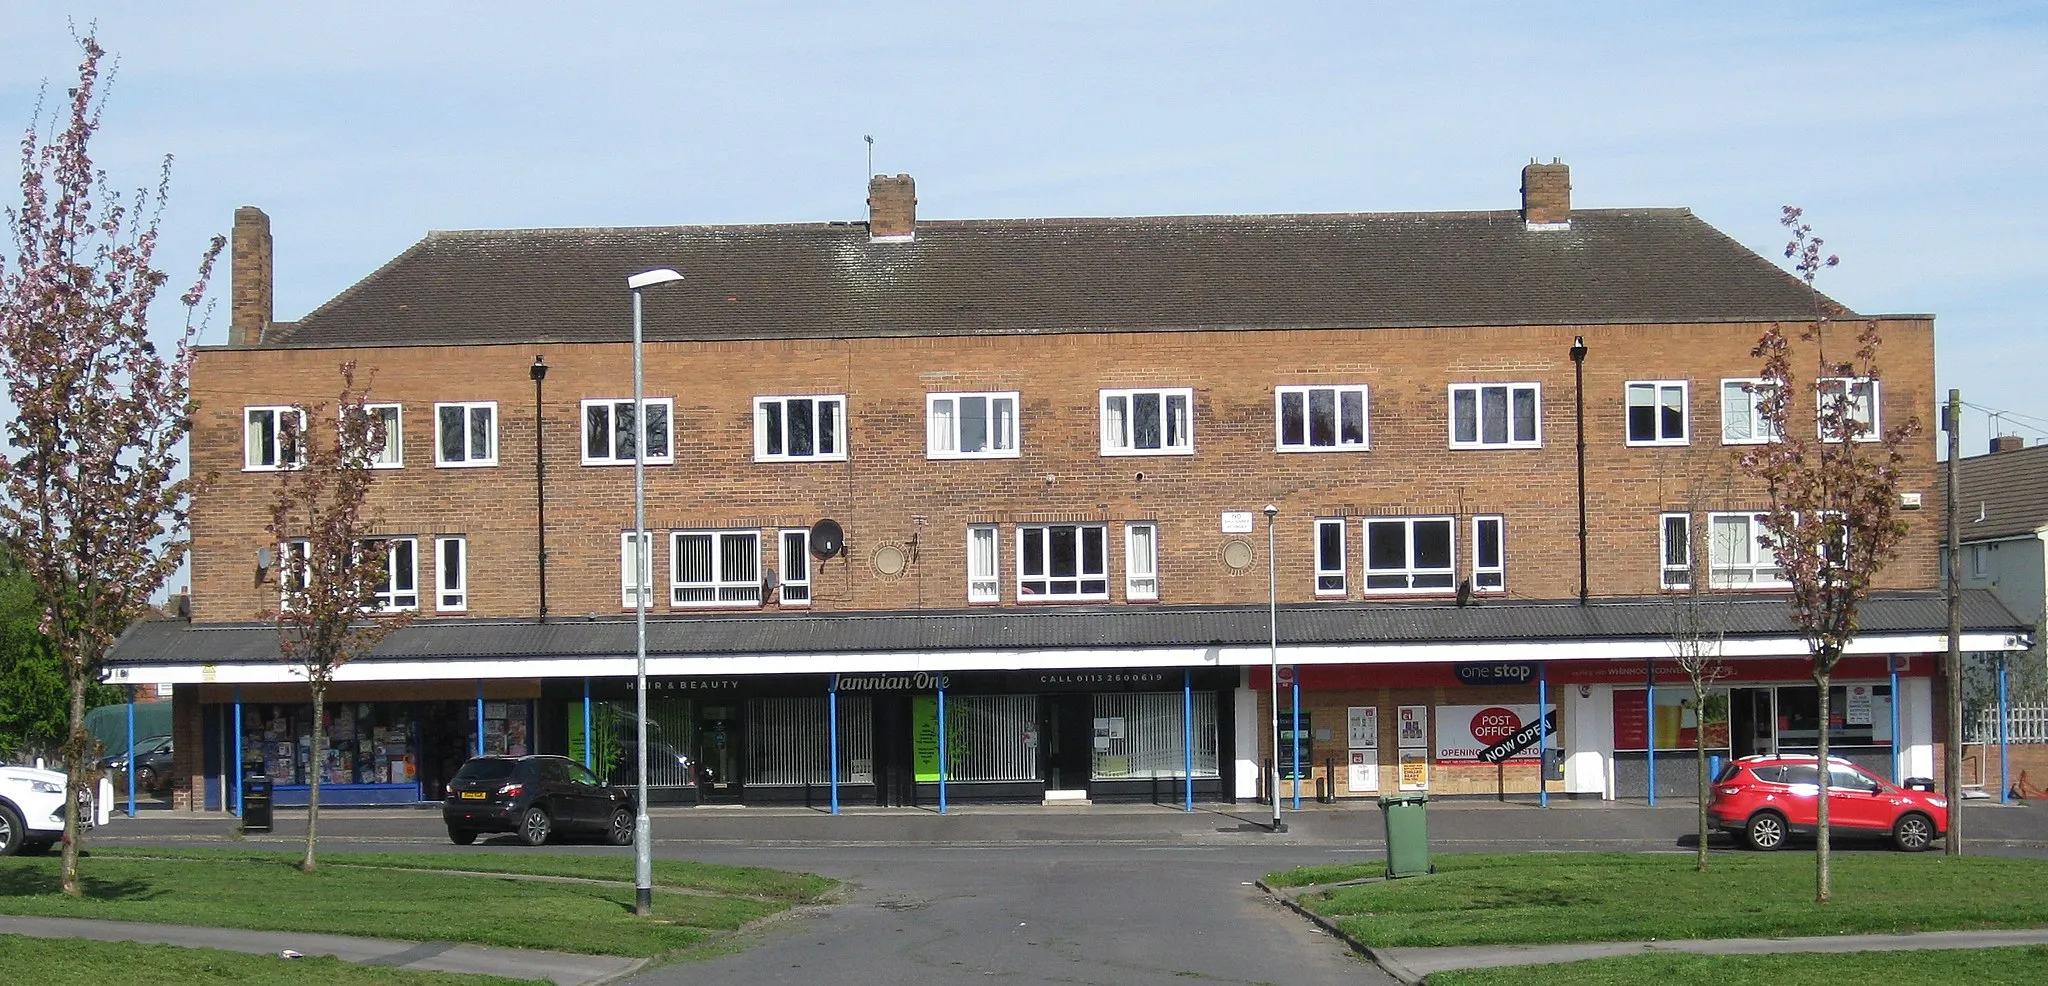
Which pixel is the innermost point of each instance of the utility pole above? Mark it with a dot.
(1952, 761)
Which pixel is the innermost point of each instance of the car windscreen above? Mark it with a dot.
(486, 770)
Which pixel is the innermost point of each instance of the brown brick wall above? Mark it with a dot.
(886, 481)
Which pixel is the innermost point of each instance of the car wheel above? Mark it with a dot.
(535, 826)
(622, 827)
(13, 836)
(1765, 831)
(145, 780)
(1914, 832)
(461, 837)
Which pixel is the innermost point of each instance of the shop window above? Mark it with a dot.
(799, 429)
(715, 568)
(795, 565)
(1141, 561)
(1062, 561)
(1858, 715)
(1495, 416)
(1656, 412)
(987, 737)
(1144, 735)
(971, 426)
(1319, 419)
(609, 438)
(1409, 555)
(789, 741)
(1148, 422)
(451, 576)
(984, 571)
(1330, 557)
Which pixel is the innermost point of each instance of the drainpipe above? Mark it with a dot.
(1579, 399)
(539, 372)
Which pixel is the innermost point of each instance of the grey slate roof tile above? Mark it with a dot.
(2001, 494)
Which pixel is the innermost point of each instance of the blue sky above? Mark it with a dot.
(1914, 134)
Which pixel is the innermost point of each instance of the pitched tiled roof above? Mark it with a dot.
(1058, 275)
(2001, 494)
(175, 642)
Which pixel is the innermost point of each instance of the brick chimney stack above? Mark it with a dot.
(2008, 443)
(1547, 195)
(892, 208)
(250, 286)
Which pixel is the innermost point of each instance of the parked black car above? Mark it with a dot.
(153, 760)
(536, 798)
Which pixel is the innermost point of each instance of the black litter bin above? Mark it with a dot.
(255, 803)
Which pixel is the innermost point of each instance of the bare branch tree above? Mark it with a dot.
(93, 503)
(1698, 630)
(331, 569)
(1833, 519)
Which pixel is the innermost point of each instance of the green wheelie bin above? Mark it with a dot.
(1407, 834)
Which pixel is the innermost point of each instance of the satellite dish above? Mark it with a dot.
(827, 539)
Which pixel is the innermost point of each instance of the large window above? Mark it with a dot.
(610, 439)
(1860, 393)
(987, 736)
(971, 426)
(799, 429)
(1062, 561)
(1141, 561)
(1148, 422)
(789, 741)
(1330, 557)
(1409, 555)
(1319, 419)
(1735, 557)
(984, 568)
(1147, 735)
(1656, 412)
(271, 437)
(466, 434)
(1742, 412)
(1496, 415)
(451, 577)
(795, 564)
(715, 568)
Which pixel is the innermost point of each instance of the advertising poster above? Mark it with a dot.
(1414, 726)
(1463, 732)
(1859, 704)
(1365, 774)
(1675, 719)
(1362, 727)
(1414, 770)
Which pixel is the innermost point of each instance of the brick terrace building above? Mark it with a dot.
(1012, 475)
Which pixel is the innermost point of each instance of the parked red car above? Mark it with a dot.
(1763, 799)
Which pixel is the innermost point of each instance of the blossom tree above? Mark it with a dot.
(1833, 518)
(336, 597)
(94, 505)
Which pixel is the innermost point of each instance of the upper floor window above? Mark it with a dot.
(466, 434)
(984, 567)
(1656, 412)
(799, 428)
(294, 572)
(1409, 554)
(795, 564)
(1502, 415)
(1141, 561)
(1330, 571)
(399, 586)
(451, 574)
(1319, 418)
(715, 568)
(1062, 561)
(1737, 556)
(1148, 422)
(636, 568)
(609, 437)
(1489, 554)
(1742, 412)
(971, 426)
(1674, 547)
(1861, 395)
(271, 437)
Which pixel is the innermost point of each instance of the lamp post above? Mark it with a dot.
(643, 840)
(1273, 657)
(1579, 399)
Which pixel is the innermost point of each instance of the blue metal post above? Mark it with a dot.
(942, 749)
(1296, 745)
(237, 765)
(2004, 740)
(1187, 738)
(589, 741)
(1650, 722)
(832, 698)
(131, 752)
(1891, 664)
(1543, 735)
(479, 717)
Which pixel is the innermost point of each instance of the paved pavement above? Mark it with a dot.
(1411, 965)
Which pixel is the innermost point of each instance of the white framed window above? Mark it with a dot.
(715, 568)
(1141, 561)
(1742, 412)
(466, 434)
(1062, 561)
(1656, 412)
(1489, 554)
(1736, 559)
(609, 438)
(451, 574)
(1674, 547)
(1330, 557)
(1319, 419)
(1410, 554)
(1148, 422)
(800, 429)
(391, 417)
(1861, 394)
(984, 565)
(1496, 415)
(271, 438)
(294, 571)
(971, 426)
(636, 568)
(399, 588)
(794, 563)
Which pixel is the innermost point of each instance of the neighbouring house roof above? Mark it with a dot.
(1021, 276)
(2002, 494)
(159, 643)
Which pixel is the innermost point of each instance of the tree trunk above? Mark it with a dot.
(315, 768)
(1699, 749)
(1823, 886)
(75, 760)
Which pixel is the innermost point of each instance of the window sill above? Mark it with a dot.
(1060, 600)
(1291, 449)
(1659, 443)
(661, 461)
(798, 459)
(475, 464)
(959, 456)
(1118, 453)
(1503, 447)
(247, 468)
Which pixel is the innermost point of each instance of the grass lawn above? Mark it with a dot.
(1485, 899)
(76, 962)
(2022, 966)
(264, 891)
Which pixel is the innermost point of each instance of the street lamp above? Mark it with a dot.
(1273, 657)
(643, 840)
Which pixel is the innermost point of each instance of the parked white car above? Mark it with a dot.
(32, 809)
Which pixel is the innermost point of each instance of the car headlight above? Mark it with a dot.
(45, 787)
(1938, 802)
